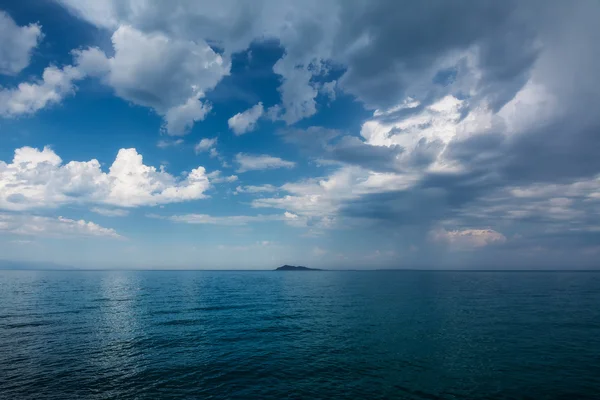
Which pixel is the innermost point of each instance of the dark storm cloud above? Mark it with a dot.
(479, 150)
(436, 197)
(332, 145)
(556, 153)
(413, 207)
(405, 38)
(354, 151)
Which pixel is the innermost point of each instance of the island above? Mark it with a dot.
(294, 268)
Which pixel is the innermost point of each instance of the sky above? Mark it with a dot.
(329, 133)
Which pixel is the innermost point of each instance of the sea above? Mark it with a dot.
(299, 335)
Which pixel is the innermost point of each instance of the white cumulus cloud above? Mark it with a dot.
(38, 178)
(153, 70)
(205, 144)
(27, 98)
(245, 121)
(16, 44)
(216, 177)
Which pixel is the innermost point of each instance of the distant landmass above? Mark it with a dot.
(296, 268)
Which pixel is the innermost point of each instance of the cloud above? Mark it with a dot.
(39, 179)
(331, 146)
(306, 33)
(153, 70)
(540, 209)
(164, 144)
(353, 151)
(268, 188)
(250, 247)
(248, 162)
(31, 225)
(467, 238)
(319, 252)
(210, 145)
(382, 70)
(422, 135)
(206, 144)
(180, 119)
(17, 44)
(245, 121)
(458, 155)
(290, 215)
(328, 89)
(27, 98)
(22, 242)
(320, 200)
(313, 140)
(455, 153)
(385, 51)
(216, 177)
(231, 220)
(238, 220)
(135, 184)
(110, 212)
(379, 255)
(298, 95)
(150, 70)
(469, 117)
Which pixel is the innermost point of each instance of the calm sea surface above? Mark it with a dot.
(273, 335)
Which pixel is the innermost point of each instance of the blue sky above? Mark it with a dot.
(335, 134)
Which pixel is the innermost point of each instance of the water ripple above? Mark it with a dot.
(266, 335)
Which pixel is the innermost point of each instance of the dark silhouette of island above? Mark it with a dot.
(294, 268)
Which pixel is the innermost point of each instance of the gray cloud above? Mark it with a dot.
(332, 146)
(396, 41)
(389, 49)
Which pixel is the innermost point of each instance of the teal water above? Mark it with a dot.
(273, 335)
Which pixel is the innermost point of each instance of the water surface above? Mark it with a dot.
(273, 335)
